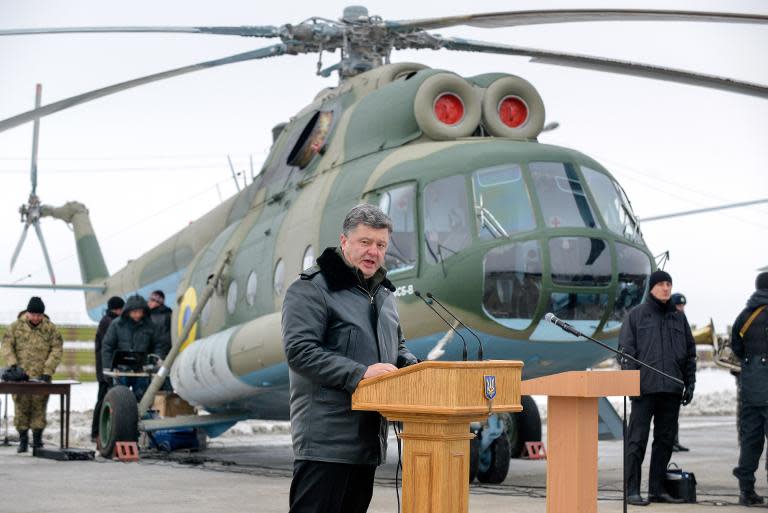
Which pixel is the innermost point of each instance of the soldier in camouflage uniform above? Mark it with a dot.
(34, 344)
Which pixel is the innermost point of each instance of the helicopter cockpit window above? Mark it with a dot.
(446, 218)
(502, 203)
(573, 306)
(580, 261)
(312, 140)
(615, 211)
(634, 266)
(400, 205)
(512, 283)
(561, 195)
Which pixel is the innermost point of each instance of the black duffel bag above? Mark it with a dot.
(680, 484)
(14, 373)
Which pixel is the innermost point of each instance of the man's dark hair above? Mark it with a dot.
(367, 214)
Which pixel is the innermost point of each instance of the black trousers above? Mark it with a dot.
(322, 487)
(103, 388)
(664, 409)
(753, 428)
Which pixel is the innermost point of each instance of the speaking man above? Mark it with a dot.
(340, 326)
(656, 333)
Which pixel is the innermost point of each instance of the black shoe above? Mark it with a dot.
(750, 498)
(23, 441)
(637, 500)
(665, 497)
(37, 438)
(679, 448)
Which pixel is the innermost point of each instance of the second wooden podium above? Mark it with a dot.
(436, 401)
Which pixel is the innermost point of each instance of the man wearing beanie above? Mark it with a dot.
(34, 344)
(656, 333)
(749, 340)
(114, 309)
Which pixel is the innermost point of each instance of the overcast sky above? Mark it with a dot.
(148, 161)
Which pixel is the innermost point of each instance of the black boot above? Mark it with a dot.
(37, 438)
(750, 498)
(23, 441)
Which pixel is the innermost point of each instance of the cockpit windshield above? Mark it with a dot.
(561, 195)
(612, 203)
(446, 218)
(513, 283)
(502, 203)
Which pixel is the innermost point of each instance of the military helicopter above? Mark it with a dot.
(499, 227)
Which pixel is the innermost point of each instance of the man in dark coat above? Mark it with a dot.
(114, 309)
(161, 316)
(656, 333)
(340, 326)
(749, 340)
(680, 302)
(132, 332)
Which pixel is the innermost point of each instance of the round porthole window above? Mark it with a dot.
(279, 277)
(232, 297)
(250, 288)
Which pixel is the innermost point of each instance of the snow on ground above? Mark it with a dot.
(715, 395)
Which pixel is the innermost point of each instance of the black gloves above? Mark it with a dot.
(46, 378)
(687, 394)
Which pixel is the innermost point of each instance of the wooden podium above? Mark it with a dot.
(436, 401)
(572, 432)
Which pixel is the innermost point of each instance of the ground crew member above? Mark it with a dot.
(133, 332)
(749, 340)
(34, 344)
(679, 300)
(161, 316)
(340, 325)
(657, 334)
(114, 309)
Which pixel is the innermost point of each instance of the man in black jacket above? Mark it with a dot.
(340, 326)
(161, 316)
(657, 334)
(132, 332)
(114, 309)
(749, 340)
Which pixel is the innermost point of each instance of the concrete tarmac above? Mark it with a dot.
(253, 475)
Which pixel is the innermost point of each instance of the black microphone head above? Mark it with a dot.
(549, 317)
(429, 295)
(417, 293)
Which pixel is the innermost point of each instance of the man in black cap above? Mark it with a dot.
(679, 300)
(749, 340)
(114, 309)
(34, 344)
(657, 334)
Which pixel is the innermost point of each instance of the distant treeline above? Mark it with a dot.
(78, 362)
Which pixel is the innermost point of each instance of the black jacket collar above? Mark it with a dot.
(338, 274)
(659, 306)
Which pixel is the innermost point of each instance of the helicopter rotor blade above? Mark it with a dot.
(39, 233)
(520, 18)
(244, 31)
(35, 135)
(262, 53)
(19, 245)
(609, 66)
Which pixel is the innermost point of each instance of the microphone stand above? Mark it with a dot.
(464, 341)
(479, 342)
(624, 356)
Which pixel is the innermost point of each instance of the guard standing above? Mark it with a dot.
(680, 301)
(33, 344)
(657, 334)
(749, 340)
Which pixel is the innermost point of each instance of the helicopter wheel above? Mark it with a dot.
(118, 420)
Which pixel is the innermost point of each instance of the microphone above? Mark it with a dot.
(479, 342)
(618, 352)
(550, 317)
(463, 340)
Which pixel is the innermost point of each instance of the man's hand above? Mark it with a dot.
(377, 369)
(687, 395)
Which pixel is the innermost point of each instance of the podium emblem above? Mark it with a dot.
(490, 387)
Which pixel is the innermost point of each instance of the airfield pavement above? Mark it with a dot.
(252, 474)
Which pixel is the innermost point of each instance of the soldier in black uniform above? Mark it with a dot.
(679, 300)
(659, 335)
(749, 340)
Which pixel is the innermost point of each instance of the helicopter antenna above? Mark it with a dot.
(234, 175)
